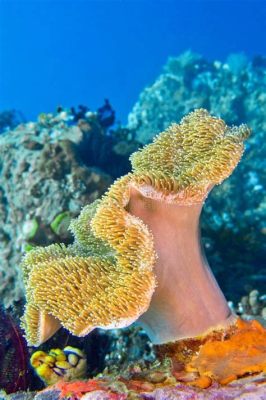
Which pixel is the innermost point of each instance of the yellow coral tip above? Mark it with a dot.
(44, 372)
(37, 358)
(73, 350)
(58, 354)
(73, 359)
(62, 364)
(49, 360)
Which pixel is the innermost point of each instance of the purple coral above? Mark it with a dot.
(13, 356)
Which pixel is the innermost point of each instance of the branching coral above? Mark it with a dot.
(136, 254)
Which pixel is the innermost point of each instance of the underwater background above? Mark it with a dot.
(84, 84)
(79, 52)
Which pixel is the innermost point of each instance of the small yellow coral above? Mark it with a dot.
(67, 364)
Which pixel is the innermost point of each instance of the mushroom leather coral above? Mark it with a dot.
(110, 275)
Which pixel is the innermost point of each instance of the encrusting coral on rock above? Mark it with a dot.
(137, 254)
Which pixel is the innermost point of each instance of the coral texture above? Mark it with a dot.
(220, 356)
(92, 286)
(253, 306)
(186, 160)
(107, 277)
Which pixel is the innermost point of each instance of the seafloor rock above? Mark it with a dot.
(248, 391)
(41, 176)
(234, 217)
(250, 388)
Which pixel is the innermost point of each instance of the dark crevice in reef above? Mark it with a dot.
(97, 149)
(105, 145)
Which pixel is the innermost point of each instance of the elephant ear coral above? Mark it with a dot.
(136, 253)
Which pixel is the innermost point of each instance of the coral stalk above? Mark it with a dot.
(187, 301)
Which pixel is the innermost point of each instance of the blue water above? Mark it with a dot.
(70, 51)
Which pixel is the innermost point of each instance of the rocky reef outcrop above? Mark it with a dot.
(49, 170)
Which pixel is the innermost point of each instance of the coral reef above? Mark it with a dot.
(235, 90)
(50, 169)
(126, 346)
(194, 362)
(120, 268)
(233, 221)
(252, 306)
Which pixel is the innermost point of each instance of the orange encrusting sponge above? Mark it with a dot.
(242, 353)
